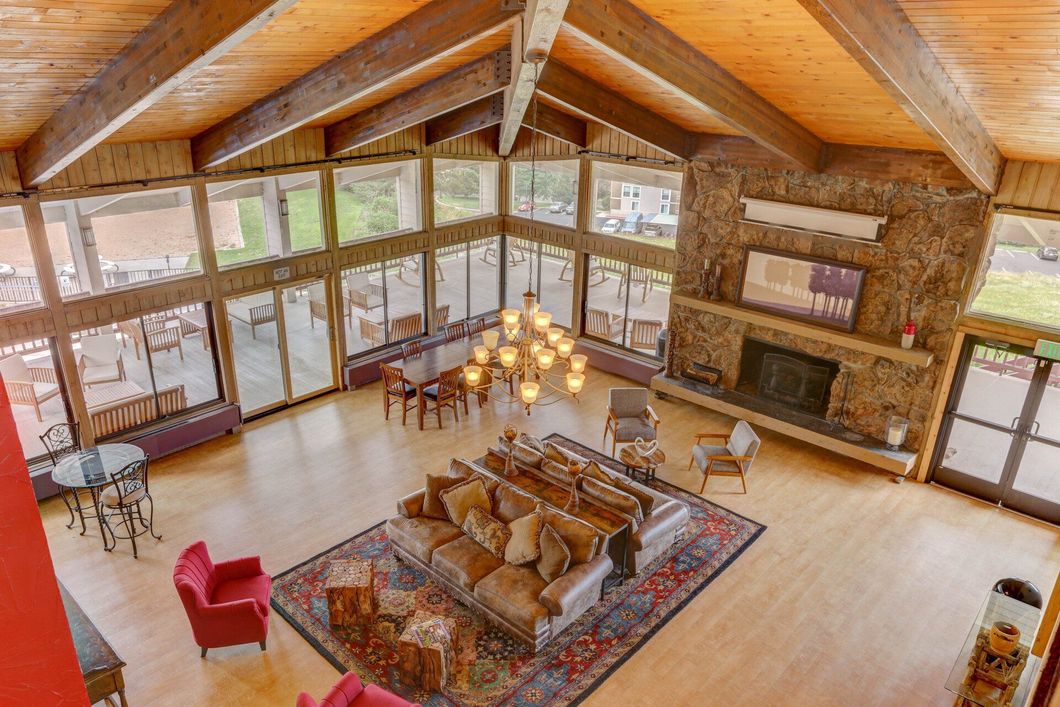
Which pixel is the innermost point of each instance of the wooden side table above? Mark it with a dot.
(635, 461)
(349, 591)
(427, 651)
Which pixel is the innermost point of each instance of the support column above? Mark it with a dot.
(488, 186)
(336, 286)
(427, 199)
(86, 257)
(407, 183)
(582, 222)
(277, 226)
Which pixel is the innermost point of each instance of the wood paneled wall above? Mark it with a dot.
(481, 143)
(290, 148)
(117, 306)
(451, 234)
(411, 138)
(9, 179)
(105, 164)
(1030, 185)
(604, 139)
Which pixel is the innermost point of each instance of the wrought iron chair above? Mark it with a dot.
(455, 332)
(61, 440)
(125, 496)
(445, 393)
(396, 391)
(411, 349)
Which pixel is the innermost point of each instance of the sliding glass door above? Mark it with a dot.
(1001, 437)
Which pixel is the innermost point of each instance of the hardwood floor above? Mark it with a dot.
(861, 591)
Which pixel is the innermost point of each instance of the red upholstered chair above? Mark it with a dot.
(350, 691)
(227, 603)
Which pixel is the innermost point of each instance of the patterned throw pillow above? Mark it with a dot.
(593, 471)
(561, 455)
(580, 538)
(533, 443)
(525, 543)
(459, 499)
(432, 504)
(555, 557)
(487, 531)
(614, 498)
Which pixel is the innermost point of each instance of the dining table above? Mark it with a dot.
(424, 370)
(91, 469)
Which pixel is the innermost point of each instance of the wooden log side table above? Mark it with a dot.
(427, 651)
(349, 589)
(635, 461)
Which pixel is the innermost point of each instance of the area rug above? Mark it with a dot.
(491, 667)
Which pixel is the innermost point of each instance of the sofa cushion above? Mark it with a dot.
(525, 543)
(532, 442)
(487, 531)
(460, 469)
(579, 537)
(593, 470)
(556, 471)
(527, 456)
(510, 503)
(613, 497)
(459, 499)
(555, 556)
(627, 402)
(743, 442)
(432, 505)
(702, 453)
(644, 497)
(512, 591)
(258, 588)
(421, 536)
(464, 562)
(561, 455)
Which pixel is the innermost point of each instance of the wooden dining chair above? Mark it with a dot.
(125, 496)
(411, 349)
(476, 326)
(455, 332)
(445, 393)
(396, 391)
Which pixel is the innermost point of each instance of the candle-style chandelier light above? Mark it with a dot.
(538, 357)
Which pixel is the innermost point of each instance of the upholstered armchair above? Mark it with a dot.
(227, 603)
(732, 459)
(101, 360)
(28, 386)
(349, 690)
(629, 416)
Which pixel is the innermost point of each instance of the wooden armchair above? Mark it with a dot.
(447, 392)
(28, 386)
(733, 459)
(396, 391)
(644, 333)
(629, 416)
(603, 324)
(441, 316)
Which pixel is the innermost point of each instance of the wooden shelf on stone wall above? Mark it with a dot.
(857, 342)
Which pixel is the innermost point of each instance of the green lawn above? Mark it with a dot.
(1030, 297)
(448, 207)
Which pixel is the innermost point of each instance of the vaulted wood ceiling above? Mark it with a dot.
(793, 75)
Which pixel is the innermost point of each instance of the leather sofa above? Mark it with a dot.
(514, 597)
(650, 537)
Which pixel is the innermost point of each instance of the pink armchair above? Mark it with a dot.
(350, 691)
(227, 603)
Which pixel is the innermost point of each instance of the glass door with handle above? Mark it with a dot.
(1000, 439)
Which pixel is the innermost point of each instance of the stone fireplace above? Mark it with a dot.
(786, 376)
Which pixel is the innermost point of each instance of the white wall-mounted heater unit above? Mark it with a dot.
(810, 219)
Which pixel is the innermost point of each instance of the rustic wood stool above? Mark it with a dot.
(427, 651)
(351, 600)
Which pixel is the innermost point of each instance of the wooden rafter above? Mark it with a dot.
(471, 82)
(880, 37)
(533, 34)
(638, 42)
(184, 38)
(582, 95)
(483, 113)
(557, 124)
(435, 30)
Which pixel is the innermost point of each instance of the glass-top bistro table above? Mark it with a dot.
(91, 469)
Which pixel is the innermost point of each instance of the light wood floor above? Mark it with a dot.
(860, 592)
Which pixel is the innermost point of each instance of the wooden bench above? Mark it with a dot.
(138, 410)
(253, 316)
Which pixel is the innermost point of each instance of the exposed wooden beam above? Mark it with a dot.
(638, 42)
(582, 95)
(558, 124)
(467, 119)
(533, 35)
(880, 37)
(471, 82)
(437, 29)
(183, 38)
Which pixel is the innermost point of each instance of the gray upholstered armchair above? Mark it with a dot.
(629, 416)
(733, 459)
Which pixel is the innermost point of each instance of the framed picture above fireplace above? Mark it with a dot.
(815, 290)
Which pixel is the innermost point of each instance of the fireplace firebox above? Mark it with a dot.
(785, 376)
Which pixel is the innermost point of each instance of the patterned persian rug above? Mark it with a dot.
(491, 667)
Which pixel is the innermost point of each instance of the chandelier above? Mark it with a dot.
(539, 356)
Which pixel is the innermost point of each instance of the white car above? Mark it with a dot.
(611, 226)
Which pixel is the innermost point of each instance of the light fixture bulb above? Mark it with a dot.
(542, 321)
(508, 355)
(577, 363)
(482, 354)
(529, 391)
(511, 318)
(490, 338)
(545, 358)
(564, 346)
(575, 382)
(554, 334)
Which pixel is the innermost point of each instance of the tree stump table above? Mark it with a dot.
(427, 651)
(349, 588)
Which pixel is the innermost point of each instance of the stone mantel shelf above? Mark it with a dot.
(857, 342)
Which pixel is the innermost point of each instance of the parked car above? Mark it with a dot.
(557, 207)
(104, 266)
(6, 270)
(1048, 252)
(611, 226)
(634, 223)
(569, 209)
(652, 229)
(526, 206)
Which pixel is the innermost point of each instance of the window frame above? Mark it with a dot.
(383, 266)
(416, 163)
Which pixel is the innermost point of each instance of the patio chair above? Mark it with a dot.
(396, 391)
(516, 253)
(371, 332)
(101, 360)
(595, 268)
(733, 459)
(629, 416)
(318, 305)
(644, 333)
(28, 386)
(363, 297)
(406, 327)
(603, 324)
(637, 277)
(165, 339)
(441, 316)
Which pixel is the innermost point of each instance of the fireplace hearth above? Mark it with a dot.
(781, 375)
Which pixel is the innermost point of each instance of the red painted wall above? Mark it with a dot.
(38, 664)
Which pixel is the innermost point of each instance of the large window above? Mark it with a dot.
(627, 305)
(270, 217)
(555, 191)
(102, 242)
(467, 278)
(552, 278)
(1023, 282)
(29, 371)
(377, 199)
(18, 278)
(145, 369)
(640, 203)
(464, 189)
(385, 303)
